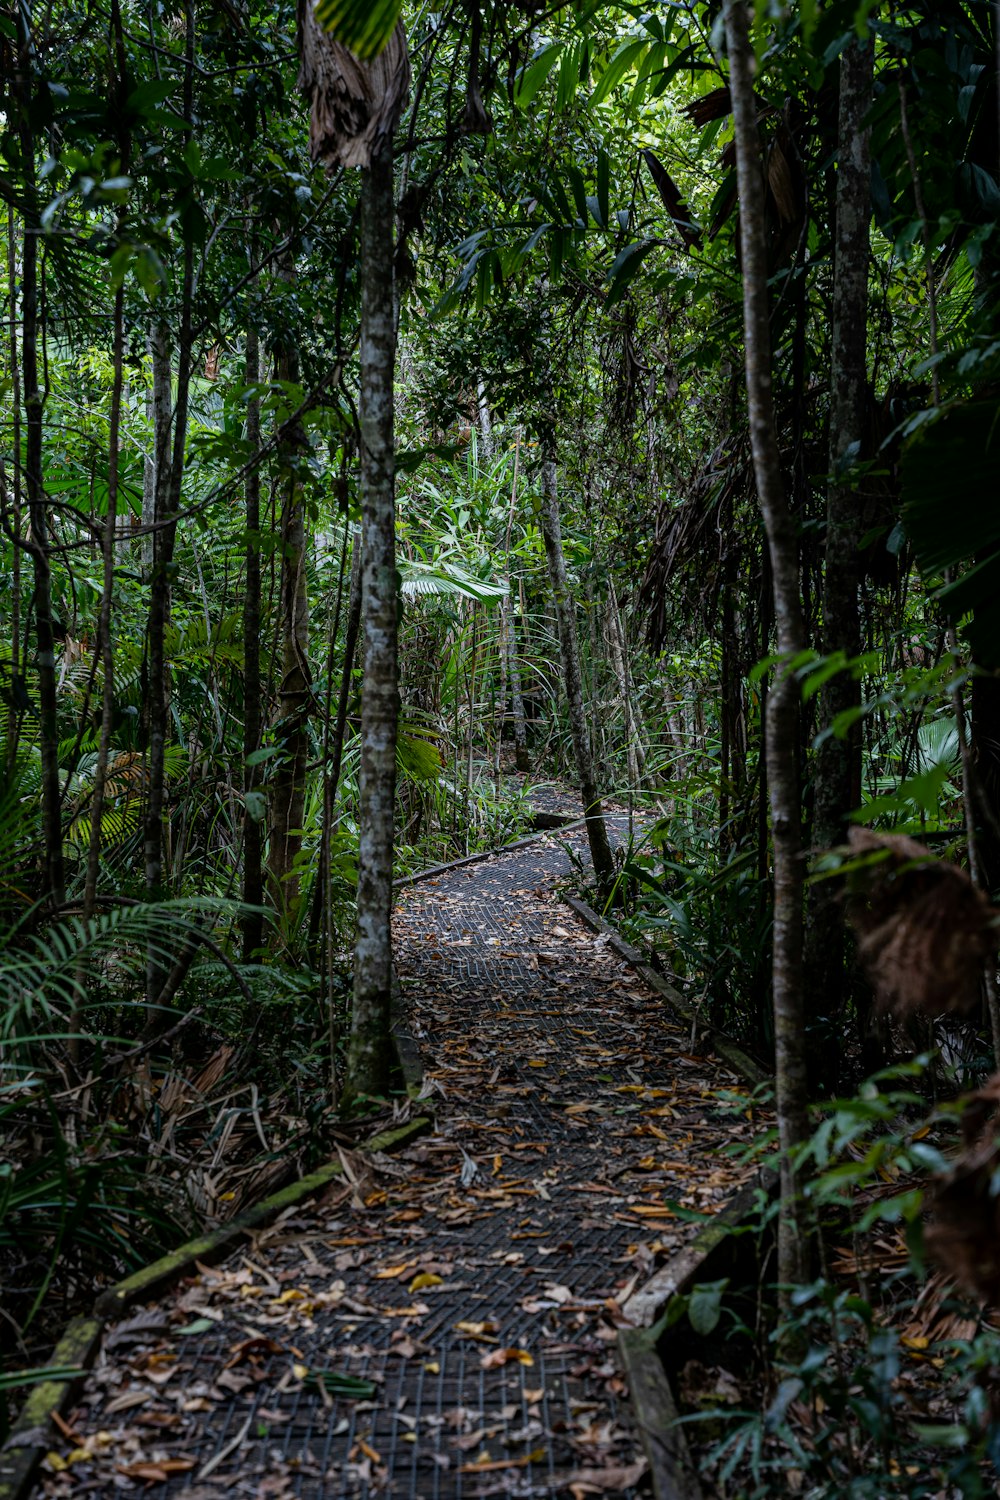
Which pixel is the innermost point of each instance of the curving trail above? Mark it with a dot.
(476, 1278)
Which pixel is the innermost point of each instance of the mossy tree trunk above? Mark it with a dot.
(783, 698)
(369, 1053)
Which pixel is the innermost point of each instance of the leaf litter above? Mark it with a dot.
(445, 1319)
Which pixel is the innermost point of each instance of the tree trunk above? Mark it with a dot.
(34, 485)
(169, 478)
(368, 1062)
(837, 772)
(597, 833)
(105, 646)
(522, 755)
(288, 788)
(158, 410)
(13, 518)
(984, 734)
(634, 751)
(351, 631)
(253, 715)
(783, 698)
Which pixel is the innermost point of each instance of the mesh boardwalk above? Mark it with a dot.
(476, 1278)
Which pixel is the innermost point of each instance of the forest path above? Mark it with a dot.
(477, 1277)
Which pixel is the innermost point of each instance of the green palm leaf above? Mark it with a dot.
(364, 26)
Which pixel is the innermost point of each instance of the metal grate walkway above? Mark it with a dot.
(475, 1279)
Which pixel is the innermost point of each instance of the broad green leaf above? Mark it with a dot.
(626, 57)
(705, 1306)
(535, 74)
(364, 26)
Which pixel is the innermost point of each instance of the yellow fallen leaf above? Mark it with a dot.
(79, 1456)
(537, 1062)
(390, 1271)
(226, 1197)
(497, 1164)
(660, 1211)
(477, 1331)
(425, 1278)
(291, 1295)
(300, 1371)
(432, 1367)
(56, 1462)
(497, 1357)
(485, 1465)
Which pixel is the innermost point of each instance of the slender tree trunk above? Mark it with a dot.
(168, 495)
(984, 737)
(368, 1062)
(13, 518)
(253, 716)
(34, 485)
(351, 631)
(522, 758)
(522, 755)
(837, 773)
(500, 707)
(158, 408)
(597, 833)
(783, 698)
(288, 788)
(635, 754)
(105, 645)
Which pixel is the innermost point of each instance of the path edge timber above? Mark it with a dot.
(31, 1435)
(749, 1069)
(672, 1471)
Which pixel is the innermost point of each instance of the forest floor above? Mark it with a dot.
(477, 1278)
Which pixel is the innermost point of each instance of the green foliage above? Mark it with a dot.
(847, 1410)
(364, 27)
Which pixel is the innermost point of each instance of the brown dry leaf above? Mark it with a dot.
(159, 1470)
(605, 1481)
(964, 1234)
(924, 930)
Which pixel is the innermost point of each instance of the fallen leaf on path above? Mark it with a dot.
(498, 1357)
(606, 1481)
(425, 1279)
(490, 1465)
(159, 1470)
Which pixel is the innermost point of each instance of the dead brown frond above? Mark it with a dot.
(673, 201)
(355, 104)
(712, 106)
(924, 931)
(964, 1235)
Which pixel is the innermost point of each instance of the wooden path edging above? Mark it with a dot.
(31, 1436)
(749, 1069)
(672, 1471)
(433, 871)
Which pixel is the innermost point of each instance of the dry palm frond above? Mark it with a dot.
(355, 104)
(924, 931)
(964, 1235)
